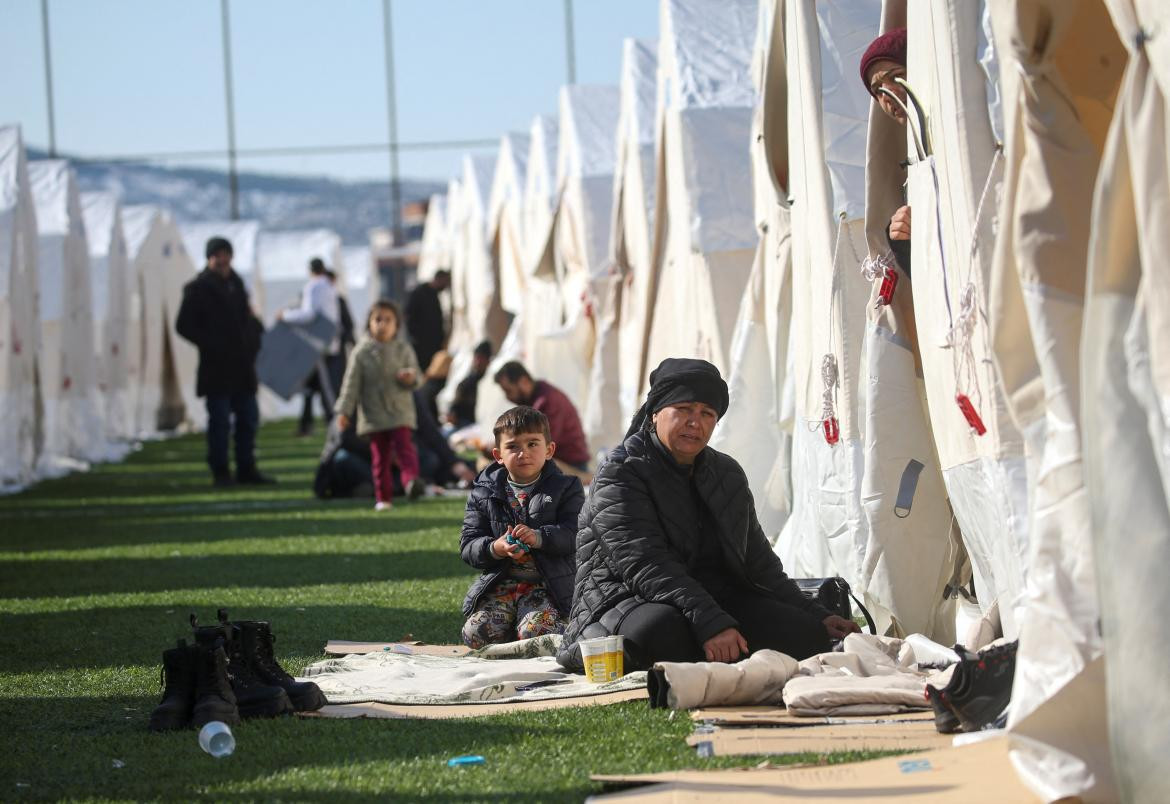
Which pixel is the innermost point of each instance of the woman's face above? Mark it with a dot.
(881, 76)
(685, 429)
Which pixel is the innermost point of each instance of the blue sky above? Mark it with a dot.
(136, 76)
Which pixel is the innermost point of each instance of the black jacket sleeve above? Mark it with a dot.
(561, 538)
(475, 542)
(191, 322)
(765, 569)
(631, 538)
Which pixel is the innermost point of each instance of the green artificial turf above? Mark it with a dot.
(99, 571)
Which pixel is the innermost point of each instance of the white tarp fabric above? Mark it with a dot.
(752, 428)
(66, 361)
(21, 413)
(116, 326)
(705, 234)
(243, 235)
(158, 257)
(1060, 69)
(284, 265)
(506, 219)
(908, 558)
(362, 283)
(953, 193)
(828, 109)
(435, 250)
(633, 209)
(1125, 398)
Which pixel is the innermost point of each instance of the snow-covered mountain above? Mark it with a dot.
(278, 202)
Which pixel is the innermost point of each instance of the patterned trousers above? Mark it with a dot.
(509, 611)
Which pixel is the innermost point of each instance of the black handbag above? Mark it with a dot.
(834, 594)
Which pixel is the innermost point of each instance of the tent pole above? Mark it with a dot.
(48, 77)
(229, 102)
(570, 44)
(392, 123)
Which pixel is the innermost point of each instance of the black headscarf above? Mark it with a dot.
(678, 380)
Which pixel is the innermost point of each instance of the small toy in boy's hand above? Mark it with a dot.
(514, 541)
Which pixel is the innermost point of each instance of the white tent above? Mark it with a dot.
(115, 325)
(1126, 396)
(435, 249)
(705, 235)
(828, 109)
(757, 427)
(169, 362)
(630, 231)
(243, 235)
(21, 413)
(505, 222)
(72, 425)
(284, 265)
(540, 186)
(362, 283)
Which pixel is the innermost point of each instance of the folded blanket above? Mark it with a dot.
(518, 671)
(759, 679)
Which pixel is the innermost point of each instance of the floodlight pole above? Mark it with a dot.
(392, 123)
(229, 101)
(570, 43)
(48, 77)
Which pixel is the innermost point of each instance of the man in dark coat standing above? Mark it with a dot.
(215, 316)
(424, 318)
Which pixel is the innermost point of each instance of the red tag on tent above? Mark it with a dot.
(67, 383)
(832, 430)
(970, 414)
(889, 282)
(114, 348)
(16, 346)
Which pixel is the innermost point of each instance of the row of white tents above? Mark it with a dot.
(89, 290)
(1006, 410)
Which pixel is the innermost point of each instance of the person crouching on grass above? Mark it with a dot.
(382, 373)
(520, 530)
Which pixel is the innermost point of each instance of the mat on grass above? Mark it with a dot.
(979, 772)
(397, 680)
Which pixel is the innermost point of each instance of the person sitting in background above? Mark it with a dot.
(435, 380)
(467, 391)
(670, 553)
(883, 62)
(563, 420)
(378, 385)
(437, 462)
(344, 467)
(519, 531)
(319, 298)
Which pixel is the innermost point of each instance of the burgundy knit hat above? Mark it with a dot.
(891, 46)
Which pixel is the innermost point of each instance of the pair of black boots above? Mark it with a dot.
(229, 673)
(979, 690)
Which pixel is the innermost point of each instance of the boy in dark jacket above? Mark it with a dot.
(520, 529)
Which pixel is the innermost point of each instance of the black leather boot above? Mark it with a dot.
(254, 697)
(257, 639)
(214, 699)
(178, 677)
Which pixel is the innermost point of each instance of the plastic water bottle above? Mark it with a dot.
(216, 739)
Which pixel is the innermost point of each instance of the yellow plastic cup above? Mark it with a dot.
(595, 657)
(615, 657)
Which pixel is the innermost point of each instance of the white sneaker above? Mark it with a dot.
(383, 506)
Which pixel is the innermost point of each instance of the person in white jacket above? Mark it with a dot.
(318, 298)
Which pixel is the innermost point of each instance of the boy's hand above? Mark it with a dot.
(502, 549)
(527, 535)
(342, 421)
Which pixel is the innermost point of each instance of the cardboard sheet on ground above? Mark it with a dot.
(458, 711)
(866, 735)
(778, 716)
(979, 772)
(518, 671)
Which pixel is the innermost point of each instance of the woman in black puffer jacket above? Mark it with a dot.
(669, 551)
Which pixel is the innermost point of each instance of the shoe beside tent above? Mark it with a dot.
(156, 250)
(115, 327)
(828, 112)
(21, 412)
(66, 361)
(244, 237)
(633, 213)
